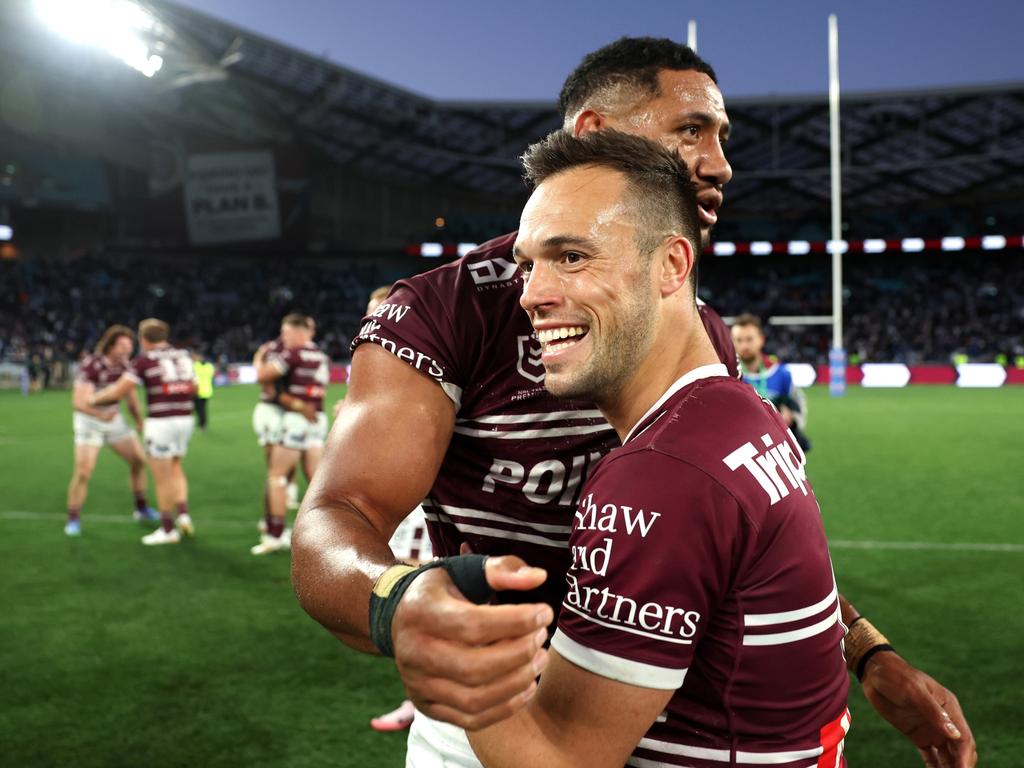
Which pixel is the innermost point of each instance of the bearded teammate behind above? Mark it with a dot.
(167, 375)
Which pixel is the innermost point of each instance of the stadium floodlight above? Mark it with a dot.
(465, 248)
(874, 245)
(993, 242)
(6, 232)
(725, 248)
(760, 248)
(912, 244)
(118, 27)
(837, 246)
(431, 250)
(953, 243)
(799, 247)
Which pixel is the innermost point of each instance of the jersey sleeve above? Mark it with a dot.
(136, 369)
(418, 324)
(654, 547)
(86, 372)
(281, 360)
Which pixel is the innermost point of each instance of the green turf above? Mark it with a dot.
(113, 654)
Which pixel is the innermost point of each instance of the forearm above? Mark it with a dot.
(290, 402)
(520, 740)
(337, 555)
(133, 407)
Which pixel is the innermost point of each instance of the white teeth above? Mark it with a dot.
(549, 335)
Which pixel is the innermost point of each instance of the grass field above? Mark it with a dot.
(115, 654)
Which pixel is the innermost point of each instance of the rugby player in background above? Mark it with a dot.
(304, 372)
(96, 426)
(446, 403)
(267, 423)
(166, 373)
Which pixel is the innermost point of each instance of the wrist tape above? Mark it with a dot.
(466, 572)
(863, 641)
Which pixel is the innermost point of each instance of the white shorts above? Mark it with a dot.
(410, 540)
(301, 435)
(167, 437)
(92, 431)
(433, 744)
(268, 423)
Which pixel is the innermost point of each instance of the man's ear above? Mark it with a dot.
(677, 261)
(588, 121)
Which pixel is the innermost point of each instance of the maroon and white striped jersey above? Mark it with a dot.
(170, 381)
(512, 474)
(99, 371)
(305, 373)
(269, 392)
(699, 565)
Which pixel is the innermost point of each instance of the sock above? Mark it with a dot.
(140, 501)
(276, 527)
(166, 522)
(73, 513)
(182, 508)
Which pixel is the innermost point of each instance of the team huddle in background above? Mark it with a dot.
(289, 422)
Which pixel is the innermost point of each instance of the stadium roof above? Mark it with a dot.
(899, 149)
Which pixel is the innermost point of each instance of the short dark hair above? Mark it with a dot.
(664, 199)
(748, 319)
(154, 331)
(298, 320)
(633, 62)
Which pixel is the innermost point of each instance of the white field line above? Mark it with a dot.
(105, 519)
(940, 546)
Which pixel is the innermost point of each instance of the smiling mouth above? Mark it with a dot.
(708, 216)
(555, 339)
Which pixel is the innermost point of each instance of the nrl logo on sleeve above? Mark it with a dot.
(529, 364)
(496, 270)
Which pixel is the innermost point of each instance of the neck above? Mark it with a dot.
(671, 356)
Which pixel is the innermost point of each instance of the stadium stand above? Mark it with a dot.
(356, 173)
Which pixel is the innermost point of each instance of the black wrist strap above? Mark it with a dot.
(863, 663)
(467, 572)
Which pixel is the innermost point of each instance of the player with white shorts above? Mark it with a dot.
(169, 378)
(95, 427)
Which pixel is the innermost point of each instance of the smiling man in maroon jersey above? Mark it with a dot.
(701, 619)
(446, 404)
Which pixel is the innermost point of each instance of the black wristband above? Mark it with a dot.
(469, 575)
(863, 663)
(465, 571)
(850, 625)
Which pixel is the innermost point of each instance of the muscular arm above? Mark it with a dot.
(81, 393)
(576, 718)
(917, 705)
(463, 663)
(267, 373)
(114, 392)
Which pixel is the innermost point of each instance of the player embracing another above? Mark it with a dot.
(96, 426)
(166, 373)
(302, 372)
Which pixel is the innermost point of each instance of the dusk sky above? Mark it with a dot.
(492, 50)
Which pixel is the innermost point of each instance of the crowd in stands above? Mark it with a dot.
(923, 309)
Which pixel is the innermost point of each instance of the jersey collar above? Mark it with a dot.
(702, 372)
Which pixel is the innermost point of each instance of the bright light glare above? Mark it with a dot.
(116, 26)
(6, 232)
(724, 248)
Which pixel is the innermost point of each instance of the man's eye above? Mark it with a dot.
(573, 258)
(526, 267)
